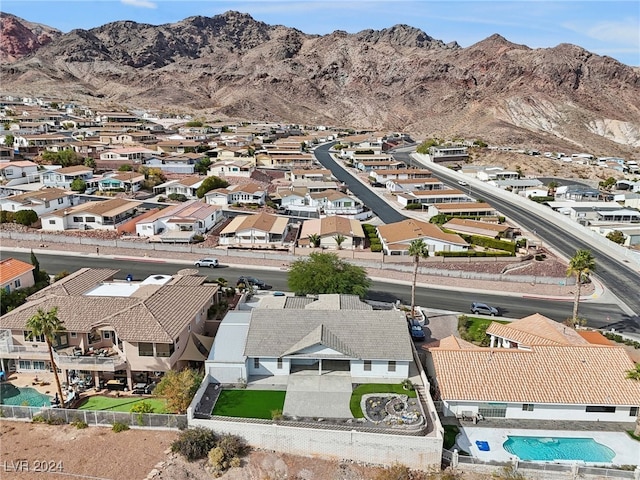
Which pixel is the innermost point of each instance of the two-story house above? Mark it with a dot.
(15, 274)
(101, 215)
(64, 177)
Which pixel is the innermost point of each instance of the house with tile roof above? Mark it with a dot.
(42, 202)
(329, 333)
(121, 181)
(328, 228)
(186, 186)
(132, 331)
(537, 369)
(63, 177)
(101, 215)
(431, 197)
(243, 193)
(259, 230)
(179, 223)
(476, 227)
(18, 171)
(462, 209)
(396, 237)
(15, 274)
(238, 167)
(411, 184)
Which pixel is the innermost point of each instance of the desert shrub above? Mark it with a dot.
(232, 446)
(177, 197)
(26, 217)
(79, 424)
(276, 414)
(119, 427)
(194, 443)
(197, 238)
(7, 217)
(394, 472)
(38, 419)
(225, 454)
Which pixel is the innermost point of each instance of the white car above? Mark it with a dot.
(462, 183)
(207, 262)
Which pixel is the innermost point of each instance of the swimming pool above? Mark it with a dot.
(12, 395)
(558, 448)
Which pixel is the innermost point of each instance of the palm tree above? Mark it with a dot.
(314, 240)
(634, 374)
(417, 249)
(580, 265)
(339, 239)
(48, 325)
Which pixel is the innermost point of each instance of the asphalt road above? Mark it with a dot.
(382, 209)
(598, 314)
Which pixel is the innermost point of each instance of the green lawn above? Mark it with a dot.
(450, 434)
(121, 404)
(249, 403)
(360, 390)
(474, 329)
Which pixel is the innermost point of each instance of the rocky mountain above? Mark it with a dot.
(20, 38)
(399, 78)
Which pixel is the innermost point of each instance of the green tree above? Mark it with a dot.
(327, 273)
(26, 217)
(36, 267)
(608, 183)
(78, 185)
(581, 265)
(8, 140)
(65, 158)
(125, 168)
(178, 388)
(439, 219)
(634, 374)
(314, 240)
(89, 162)
(48, 325)
(202, 166)
(426, 145)
(551, 188)
(617, 236)
(194, 123)
(339, 239)
(210, 183)
(417, 249)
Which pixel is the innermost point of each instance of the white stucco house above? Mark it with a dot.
(18, 172)
(536, 369)
(396, 237)
(64, 177)
(102, 215)
(40, 201)
(180, 222)
(289, 334)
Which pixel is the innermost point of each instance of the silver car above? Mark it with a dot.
(207, 262)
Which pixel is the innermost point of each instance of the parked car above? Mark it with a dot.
(207, 262)
(254, 282)
(484, 309)
(462, 183)
(415, 329)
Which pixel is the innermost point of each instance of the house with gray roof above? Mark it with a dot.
(334, 333)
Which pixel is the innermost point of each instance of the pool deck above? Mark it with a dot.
(627, 450)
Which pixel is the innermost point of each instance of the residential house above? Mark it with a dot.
(121, 181)
(237, 194)
(40, 201)
(383, 176)
(535, 369)
(15, 274)
(64, 177)
(291, 334)
(177, 146)
(18, 171)
(396, 237)
(179, 223)
(622, 215)
(429, 197)
(497, 173)
(577, 193)
(101, 215)
(187, 186)
(260, 230)
(331, 227)
(412, 184)
(181, 164)
(583, 212)
(116, 157)
(443, 154)
(516, 185)
(6, 153)
(313, 174)
(232, 168)
(484, 229)
(369, 165)
(463, 209)
(115, 329)
(332, 202)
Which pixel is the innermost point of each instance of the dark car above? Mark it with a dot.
(254, 282)
(484, 309)
(415, 329)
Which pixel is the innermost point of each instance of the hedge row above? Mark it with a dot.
(490, 243)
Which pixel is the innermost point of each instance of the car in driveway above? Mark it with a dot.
(254, 282)
(415, 329)
(207, 262)
(484, 309)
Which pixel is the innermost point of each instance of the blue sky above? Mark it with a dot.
(603, 27)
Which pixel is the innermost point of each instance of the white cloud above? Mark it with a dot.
(139, 3)
(623, 32)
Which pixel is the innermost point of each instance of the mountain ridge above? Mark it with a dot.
(397, 78)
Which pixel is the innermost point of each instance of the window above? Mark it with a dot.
(17, 283)
(90, 219)
(60, 201)
(600, 409)
(145, 349)
(25, 364)
(52, 222)
(77, 219)
(164, 349)
(527, 407)
(256, 363)
(392, 366)
(367, 365)
(633, 412)
(73, 334)
(39, 365)
(106, 334)
(35, 338)
(279, 364)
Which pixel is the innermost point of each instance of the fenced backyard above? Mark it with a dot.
(102, 418)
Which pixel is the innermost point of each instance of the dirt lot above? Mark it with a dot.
(97, 453)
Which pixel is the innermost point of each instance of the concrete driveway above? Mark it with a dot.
(321, 396)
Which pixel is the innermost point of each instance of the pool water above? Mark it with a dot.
(558, 448)
(26, 396)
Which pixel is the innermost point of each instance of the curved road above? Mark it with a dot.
(381, 208)
(441, 299)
